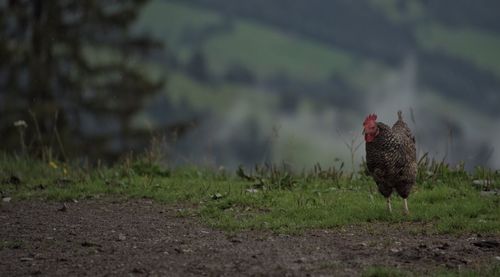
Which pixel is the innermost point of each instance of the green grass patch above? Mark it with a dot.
(446, 201)
(268, 51)
(479, 270)
(11, 244)
(492, 269)
(380, 271)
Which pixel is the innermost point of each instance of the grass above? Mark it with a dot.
(444, 201)
(384, 271)
(11, 244)
(380, 271)
(269, 51)
(486, 270)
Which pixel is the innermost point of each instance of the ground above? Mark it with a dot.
(141, 237)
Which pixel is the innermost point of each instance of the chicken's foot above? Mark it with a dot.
(407, 212)
(389, 207)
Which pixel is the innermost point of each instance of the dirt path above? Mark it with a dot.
(143, 238)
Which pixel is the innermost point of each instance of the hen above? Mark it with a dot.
(391, 157)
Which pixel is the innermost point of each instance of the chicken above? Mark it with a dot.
(391, 157)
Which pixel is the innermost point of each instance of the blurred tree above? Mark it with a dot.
(75, 72)
(197, 67)
(239, 73)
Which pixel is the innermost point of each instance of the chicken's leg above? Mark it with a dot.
(407, 212)
(389, 207)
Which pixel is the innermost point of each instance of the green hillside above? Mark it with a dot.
(475, 46)
(315, 67)
(267, 51)
(264, 50)
(455, 47)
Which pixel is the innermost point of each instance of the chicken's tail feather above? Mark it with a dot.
(400, 115)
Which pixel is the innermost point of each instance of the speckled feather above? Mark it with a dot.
(391, 158)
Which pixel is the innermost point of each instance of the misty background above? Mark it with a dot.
(225, 82)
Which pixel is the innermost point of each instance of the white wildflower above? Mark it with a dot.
(21, 123)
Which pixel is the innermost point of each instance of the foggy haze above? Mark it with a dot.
(254, 130)
(266, 107)
(231, 83)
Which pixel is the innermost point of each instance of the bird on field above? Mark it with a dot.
(391, 157)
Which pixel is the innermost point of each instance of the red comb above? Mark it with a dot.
(371, 117)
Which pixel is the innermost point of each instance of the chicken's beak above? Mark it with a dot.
(363, 132)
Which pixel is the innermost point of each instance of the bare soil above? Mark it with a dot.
(140, 237)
